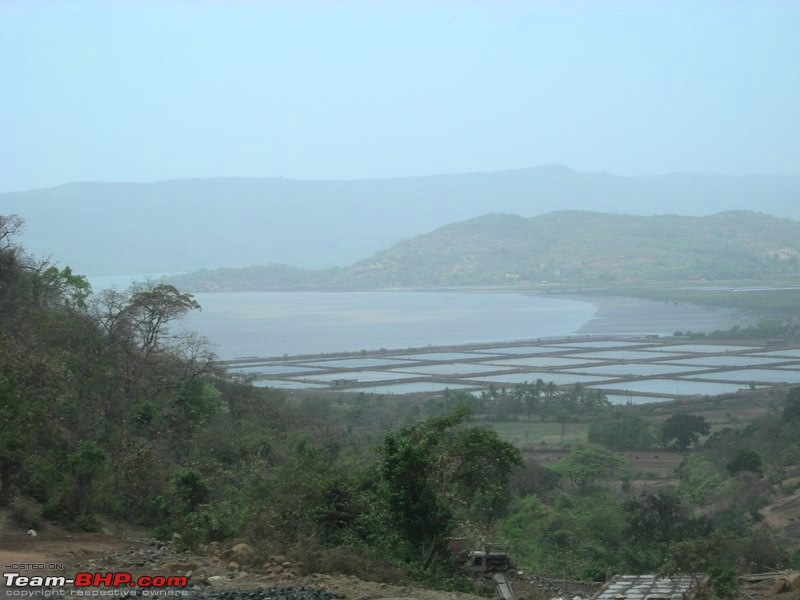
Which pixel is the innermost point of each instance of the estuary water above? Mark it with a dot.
(276, 323)
(239, 324)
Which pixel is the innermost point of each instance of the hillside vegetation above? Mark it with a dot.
(574, 246)
(105, 412)
(561, 247)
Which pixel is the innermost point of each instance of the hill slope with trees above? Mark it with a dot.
(575, 246)
(561, 247)
(104, 412)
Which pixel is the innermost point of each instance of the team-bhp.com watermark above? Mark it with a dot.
(117, 583)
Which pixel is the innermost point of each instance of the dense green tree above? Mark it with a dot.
(744, 459)
(585, 466)
(565, 536)
(422, 518)
(85, 464)
(438, 469)
(791, 411)
(653, 523)
(190, 489)
(684, 429)
(18, 424)
(699, 478)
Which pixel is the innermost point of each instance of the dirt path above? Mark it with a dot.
(58, 549)
(784, 514)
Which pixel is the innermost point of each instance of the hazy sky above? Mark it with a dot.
(142, 91)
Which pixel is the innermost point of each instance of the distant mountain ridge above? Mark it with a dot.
(181, 225)
(560, 247)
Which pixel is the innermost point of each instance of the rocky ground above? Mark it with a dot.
(221, 568)
(233, 571)
(238, 572)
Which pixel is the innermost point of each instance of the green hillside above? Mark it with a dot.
(581, 247)
(561, 247)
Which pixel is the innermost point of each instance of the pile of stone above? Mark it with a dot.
(547, 586)
(147, 555)
(278, 567)
(214, 562)
(272, 593)
(215, 571)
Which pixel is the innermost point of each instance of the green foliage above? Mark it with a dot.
(336, 513)
(699, 478)
(761, 548)
(208, 523)
(745, 459)
(190, 490)
(653, 523)
(74, 499)
(586, 466)
(477, 466)
(625, 430)
(569, 537)
(533, 478)
(791, 411)
(421, 517)
(437, 469)
(711, 555)
(724, 582)
(62, 285)
(85, 464)
(38, 473)
(684, 429)
(17, 426)
(696, 555)
(144, 415)
(544, 400)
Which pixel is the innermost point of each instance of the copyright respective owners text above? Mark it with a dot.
(36, 580)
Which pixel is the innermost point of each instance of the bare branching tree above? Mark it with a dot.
(10, 226)
(138, 322)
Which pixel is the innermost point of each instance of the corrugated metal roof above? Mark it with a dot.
(647, 587)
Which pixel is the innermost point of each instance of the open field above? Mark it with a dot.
(730, 410)
(525, 433)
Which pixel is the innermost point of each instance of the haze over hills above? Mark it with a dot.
(560, 247)
(182, 225)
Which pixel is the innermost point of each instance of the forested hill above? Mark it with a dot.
(562, 247)
(575, 246)
(182, 225)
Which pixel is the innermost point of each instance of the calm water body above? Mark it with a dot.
(747, 375)
(277, 323)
